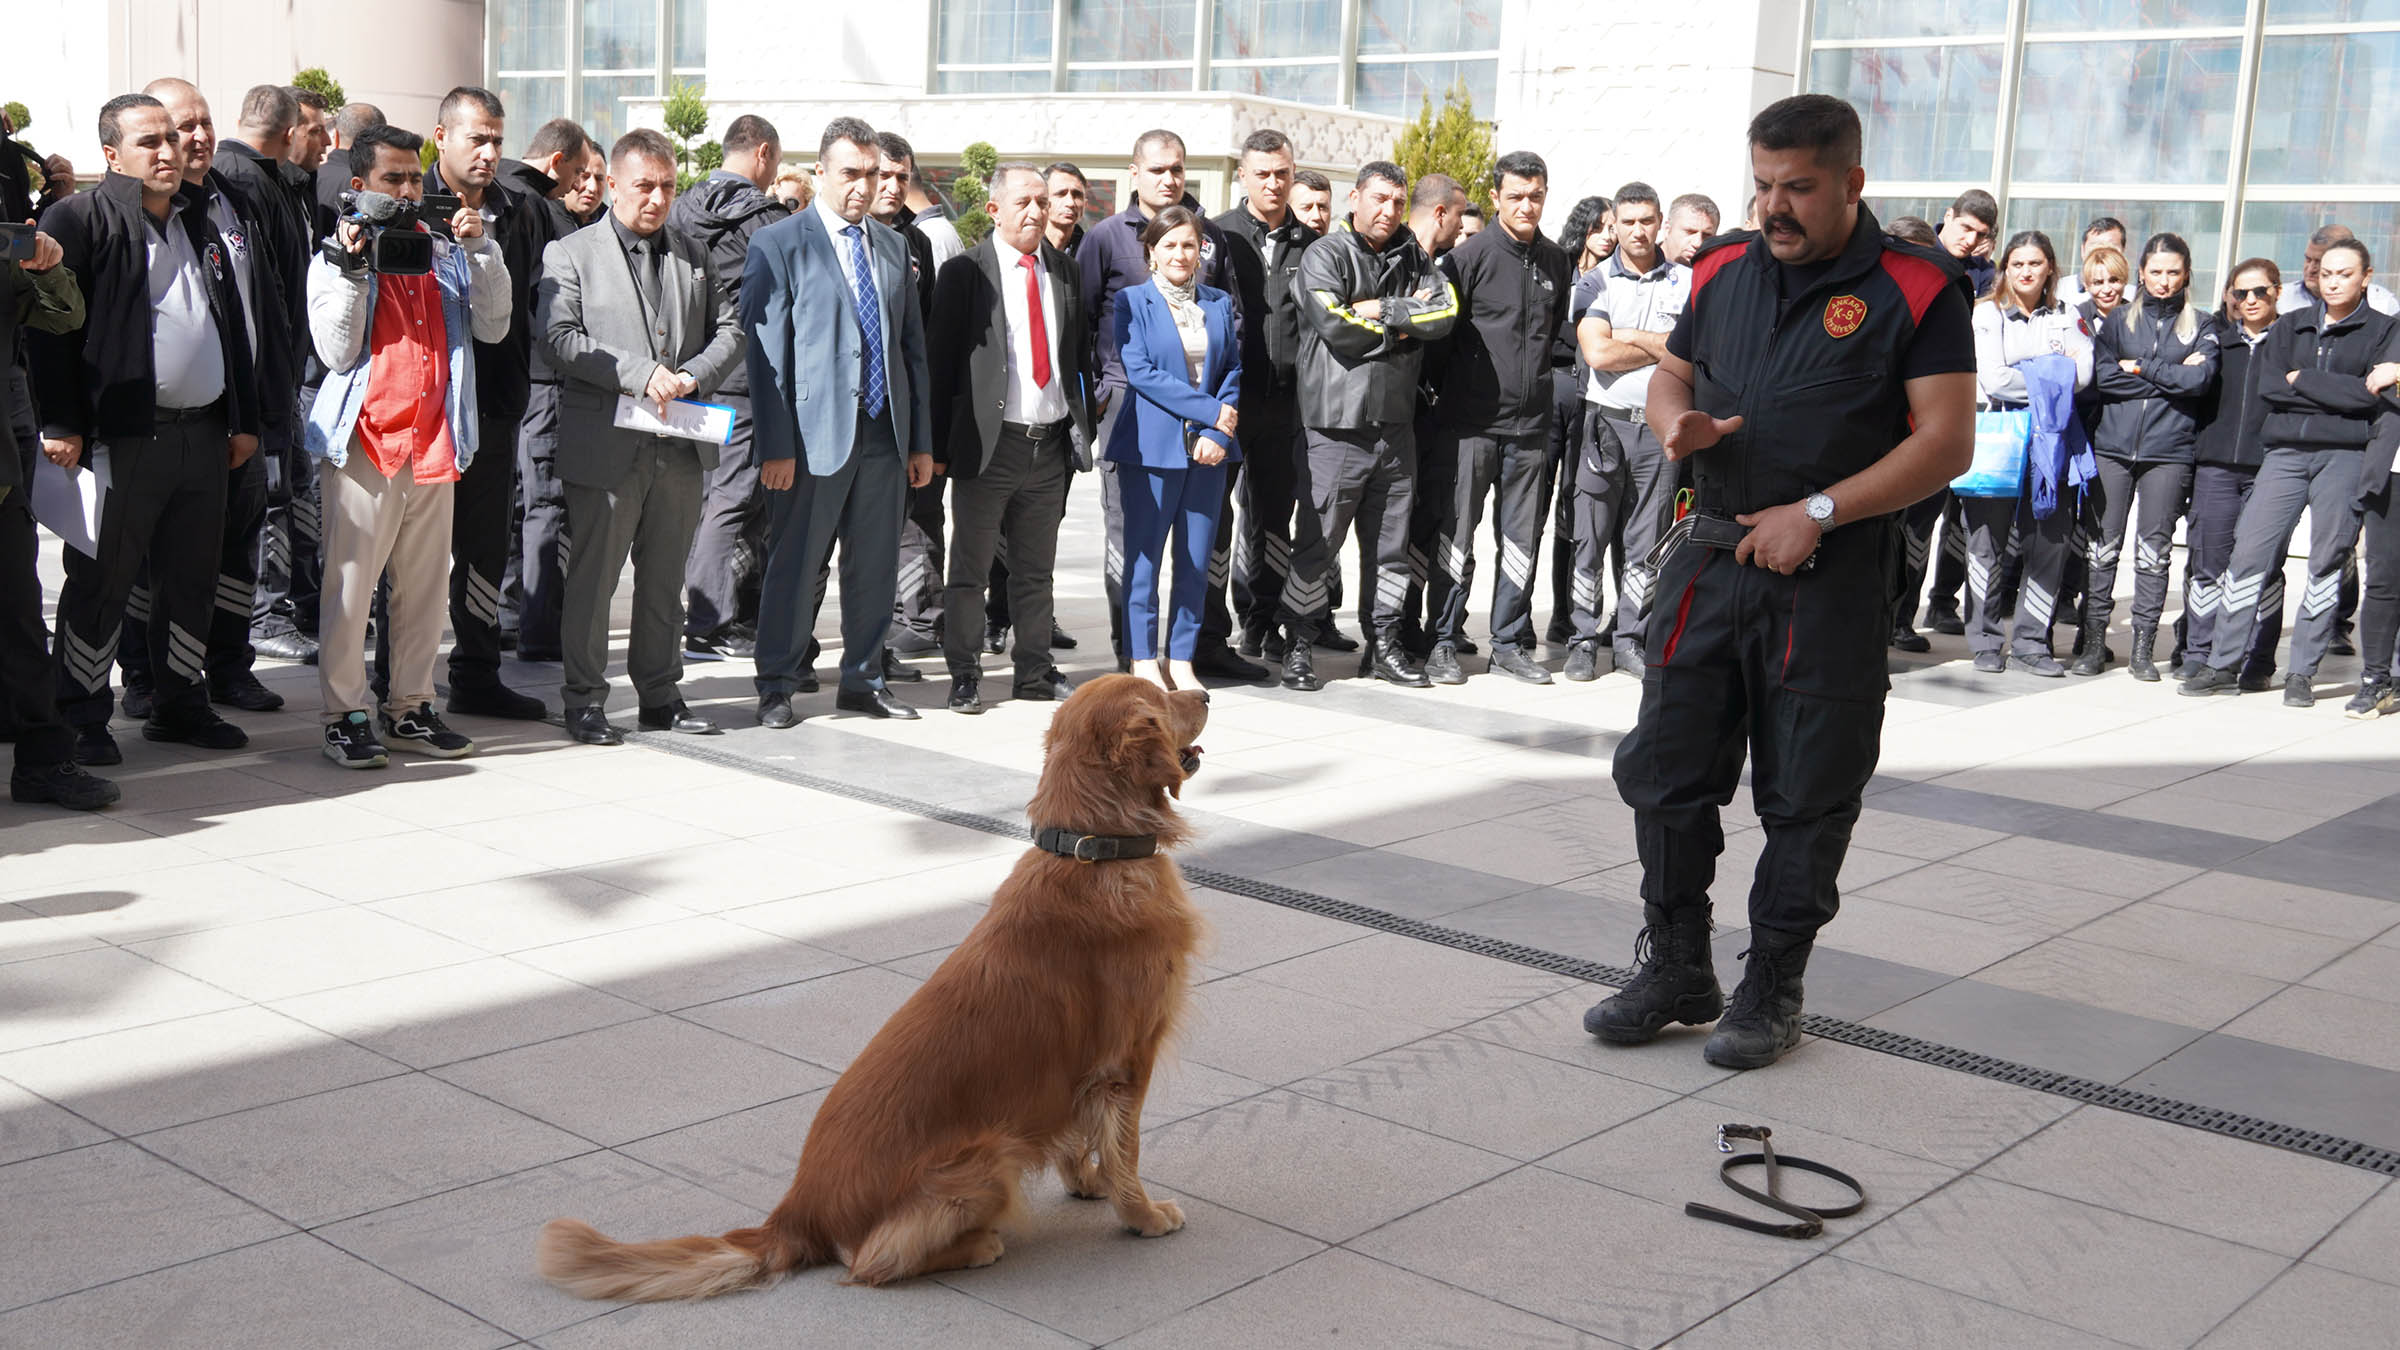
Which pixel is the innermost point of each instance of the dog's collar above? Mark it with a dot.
(1095, 848)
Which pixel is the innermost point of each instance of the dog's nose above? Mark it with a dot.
(1203, 697)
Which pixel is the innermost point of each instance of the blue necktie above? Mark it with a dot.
(870, 320)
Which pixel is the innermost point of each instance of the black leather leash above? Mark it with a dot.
(1811, 1221)
(1095, 848)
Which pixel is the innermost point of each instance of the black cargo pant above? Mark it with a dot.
(1262, 551)
(165, 508)
(918, 601)
(1514, 466)
(1788, 670)
(229, 651)
(2144, 500)
(1599, 488)
(2041, 547)
(291, 562)
(2324, 484)
(28, 686)
(1362, 474)
(545, 546)
(1568, 419)
(1915, 551)
(2218, 494)
(2379, 604)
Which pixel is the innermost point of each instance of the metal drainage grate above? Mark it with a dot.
(2315, 1143)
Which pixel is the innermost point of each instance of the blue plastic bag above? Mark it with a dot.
(1999, 468)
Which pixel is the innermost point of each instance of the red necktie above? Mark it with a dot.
(1041, 333)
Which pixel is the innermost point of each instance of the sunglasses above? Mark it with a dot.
(2252, 292)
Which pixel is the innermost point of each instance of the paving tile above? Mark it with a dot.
(813, 1309)
(2274, 1082)
(2343, 1026)
(1180, 1088)
(473, 1247)
(1553, 1028)
(891, 845)
(2366, 1241)
(1833, 1304)
(172, 900)
(880, 920)
(1075, 1268)
(746, 1156)
(2176, 806)
(250, 829)
(825, 1021)
(1953, 1118)
(457, 1012)
(2372, 971)
(31, 1127)
(519, 912)
(720, 874)
(97, 1214)
(1563, 919)
(634, 1079)
(47, 854)
(2138, 1281)
(2213, 940)
(293, 1292)
(584, 834)
(1629, 1269)
(1917, 836)
(421, 860)
(1475, 1092)
(86, 993)
(1247, 849)
(167, 1073)
(25, 935)
(1947, 944)
(2020, 906)
(1245, 933)
(1407, 978)
(1850, 985)
(185, 787)
(303, 953)
(762, 807)
(2317, 1308)
(1540, 847)
(2242, 1192)
(2091, 869)
(1339, 1298)
(1311, 1166)
(2032, 1029)
(691, 961)
(2130, 982)
(1246, 1026)
(1398, 884)
(347, 1152)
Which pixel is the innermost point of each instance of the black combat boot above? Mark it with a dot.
(2091, 647)
(1299, 661)
(1763, 1020)
(2145, 669)
(1673, 980)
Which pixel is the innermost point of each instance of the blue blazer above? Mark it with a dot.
(1164, 401)
(805, 352)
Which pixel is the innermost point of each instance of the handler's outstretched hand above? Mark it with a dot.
(1696, 431)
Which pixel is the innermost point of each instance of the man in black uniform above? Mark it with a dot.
(1820, 379)
(558, 153)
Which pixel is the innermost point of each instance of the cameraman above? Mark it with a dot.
(394, 426)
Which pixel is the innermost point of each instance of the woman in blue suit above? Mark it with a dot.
(1175, 339)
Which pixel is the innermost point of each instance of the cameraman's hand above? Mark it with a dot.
(46, 253)
(239, 450)
(353, 237)
(64, 451)
(467, 223)
(665, 387)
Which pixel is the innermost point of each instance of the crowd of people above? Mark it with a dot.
(333, 386)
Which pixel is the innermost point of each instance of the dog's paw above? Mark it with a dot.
(1165, 1217)
(1084, 1181)
(983, 1250)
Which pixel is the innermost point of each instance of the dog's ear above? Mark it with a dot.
(1146, 752)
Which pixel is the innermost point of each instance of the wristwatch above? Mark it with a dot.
(1820, 509)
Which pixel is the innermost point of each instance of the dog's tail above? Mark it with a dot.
(575, 1256)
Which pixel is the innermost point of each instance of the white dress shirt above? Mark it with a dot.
(834, 225)
(1024, 400)
(186, 360)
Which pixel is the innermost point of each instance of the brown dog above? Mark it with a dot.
(1033, 1043)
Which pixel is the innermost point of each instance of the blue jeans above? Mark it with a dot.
(1160, 504)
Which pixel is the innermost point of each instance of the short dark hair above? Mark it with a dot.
(271, 106)
(1634, 193)
(1002, 170)
(363, 147)
(1977, 203)
(851, 129)
(1913, 229)
(309, 98)
(457, 101)
(1167, 222)
(1819, 123)
(113, 112)
(642, 141)
(1434, 189)
(1382, 169)
(1519, 164)
(2102, 225)
(1266, 141)
(1064, 166)
(1158, 136)
(558, 136)
(748, 132)
(2329, 234)
(1702, 203)
(893, 145)
(1470, 210)
(355, 120)
(1313, 181)
(2366, 260)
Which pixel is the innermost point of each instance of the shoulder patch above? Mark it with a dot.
(1707, 265)
(1919, 281)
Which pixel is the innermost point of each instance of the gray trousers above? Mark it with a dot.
(1992, 522)
(649, 516)
(917, 597)
(2325, 484)
(1515, 465)
(862, 502)
(1020, 494)
(2153, 496)
(546, 547)
(1363, 474)
(1646, 507)
(730, 544)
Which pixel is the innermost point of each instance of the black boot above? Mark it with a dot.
(1763, 1020)
(1300, 661)
(2145, 637)
(1673, 980)
(1390, 662)
(2091, 647)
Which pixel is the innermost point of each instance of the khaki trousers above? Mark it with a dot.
(374, 525)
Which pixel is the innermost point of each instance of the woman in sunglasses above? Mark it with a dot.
(2229, 450)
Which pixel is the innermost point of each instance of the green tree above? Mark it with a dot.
(314, 78)
(1452, 141)
(971, 189)
(686, 116)
(19, 116)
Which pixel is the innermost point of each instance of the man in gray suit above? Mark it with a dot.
(629, 309)
(837, 376)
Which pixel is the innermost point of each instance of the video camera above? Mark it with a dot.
(394, 246)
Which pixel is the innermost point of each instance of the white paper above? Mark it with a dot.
(67, 501)
(710, 422)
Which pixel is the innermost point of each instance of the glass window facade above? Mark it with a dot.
(2241, 127)
(583, 58)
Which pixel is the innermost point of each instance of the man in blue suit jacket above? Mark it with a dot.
(837, 377)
